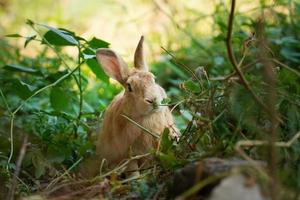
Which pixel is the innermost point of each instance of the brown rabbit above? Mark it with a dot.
(119, 138)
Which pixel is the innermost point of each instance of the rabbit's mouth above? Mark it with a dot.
(151, 110)
(156, 109)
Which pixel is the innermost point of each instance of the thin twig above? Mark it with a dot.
(198, 186)
(184, 66)
(63, 174)
(177, 104)
(245, 67)
(124, 164)
(13, 185)
(251, 143)
(228, 38)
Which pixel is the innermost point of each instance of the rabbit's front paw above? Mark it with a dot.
(174, 132)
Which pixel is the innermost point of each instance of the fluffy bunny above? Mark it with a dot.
(119, 138)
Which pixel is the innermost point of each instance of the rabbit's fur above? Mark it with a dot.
(119, 138)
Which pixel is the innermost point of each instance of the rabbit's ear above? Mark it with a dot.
(139, 58)
(113, 65)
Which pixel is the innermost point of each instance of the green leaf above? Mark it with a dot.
(55, 76)
(29, 22)
(39, 171)
(96, 43)
(23, 89)
(90, 52)
(166, 142)
(291, 55)
(59, 37)
(39, 164)
(20, 68)
(13, 35)
(168, 160)
(54, 156)
(59, 99)
(88, 56)
(176, 69)
(166, 100)
(98, 71)
(29, 39)
(192, 86)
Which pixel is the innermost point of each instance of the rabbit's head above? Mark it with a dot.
(142, 95)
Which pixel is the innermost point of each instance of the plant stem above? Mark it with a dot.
(25, 101)
(5, 101)
(12, 117)
(79, 87)
(78, 81)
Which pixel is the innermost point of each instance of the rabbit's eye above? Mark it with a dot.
(129, 87)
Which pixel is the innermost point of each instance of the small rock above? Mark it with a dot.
(236, 187)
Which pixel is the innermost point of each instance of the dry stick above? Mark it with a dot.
(13, 185)
(124, 164)
(269, 77)
(286, 66)
(251, 143)
(234, 62)
(141, 127)
(62, 175)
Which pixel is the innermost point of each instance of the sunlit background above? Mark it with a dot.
(164, 23)
(193, 30)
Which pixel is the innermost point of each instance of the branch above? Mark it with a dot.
(286, 66)
(236, 66)
(228, 38)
